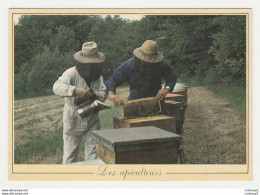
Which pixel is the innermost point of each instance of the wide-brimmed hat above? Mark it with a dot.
(89, 54)
(148, 52)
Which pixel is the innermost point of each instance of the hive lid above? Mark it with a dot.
(181, 85)
(126, 138)
(179, 89)
(182, 92)
(173, 95)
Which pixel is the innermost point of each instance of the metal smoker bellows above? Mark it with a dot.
(89, 108)
(89, 105)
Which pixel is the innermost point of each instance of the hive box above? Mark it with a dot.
(162, 121)
(175, 104)
(175, 97)
(141, 108)
(144, 112)
(141, 145)
(181, 85)
(181, 88)
(174, 108)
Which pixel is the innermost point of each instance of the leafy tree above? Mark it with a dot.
(229, 49)
(185, 41)
(64, 40)
(209, 48)
(111, 34)
(84, 27)
(30, 36)
(38, 75)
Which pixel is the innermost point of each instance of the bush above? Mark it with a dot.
(38, 76)
(229, 49)
(212, 77)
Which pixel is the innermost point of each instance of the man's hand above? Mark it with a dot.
(115, 98)
(162, 93)
(82, 93)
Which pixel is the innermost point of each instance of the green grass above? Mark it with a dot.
(44, 145)
(106, 117)
(234, 94)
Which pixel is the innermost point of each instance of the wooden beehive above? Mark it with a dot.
(174, 108)
(161, 121)
(141, 108)
(181, 84)
(175, 97)
(144, 112)
(181, 89)
(140, 145)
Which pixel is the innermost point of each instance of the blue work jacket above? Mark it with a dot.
(140, 86)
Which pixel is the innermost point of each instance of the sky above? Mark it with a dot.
(125, 16)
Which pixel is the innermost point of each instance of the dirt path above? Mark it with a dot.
(214, 132)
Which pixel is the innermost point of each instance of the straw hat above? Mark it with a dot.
(148, 52)
(89, 54)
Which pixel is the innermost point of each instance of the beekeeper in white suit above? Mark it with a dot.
(81, 81)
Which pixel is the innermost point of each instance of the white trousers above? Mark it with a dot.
(71, 147)
(72, 139)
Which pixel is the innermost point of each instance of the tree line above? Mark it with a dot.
(208, 48)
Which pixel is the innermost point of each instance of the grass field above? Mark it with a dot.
(214, 129)
(234, 94)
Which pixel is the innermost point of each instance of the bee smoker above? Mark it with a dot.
(90, 105)
(90, 108)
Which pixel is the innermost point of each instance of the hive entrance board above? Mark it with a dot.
(141, 108)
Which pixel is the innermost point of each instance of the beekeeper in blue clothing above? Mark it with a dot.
(144, 73)
(81, 81)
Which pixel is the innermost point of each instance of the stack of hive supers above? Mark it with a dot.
(176, 104)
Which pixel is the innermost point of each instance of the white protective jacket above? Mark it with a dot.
(65, 86)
